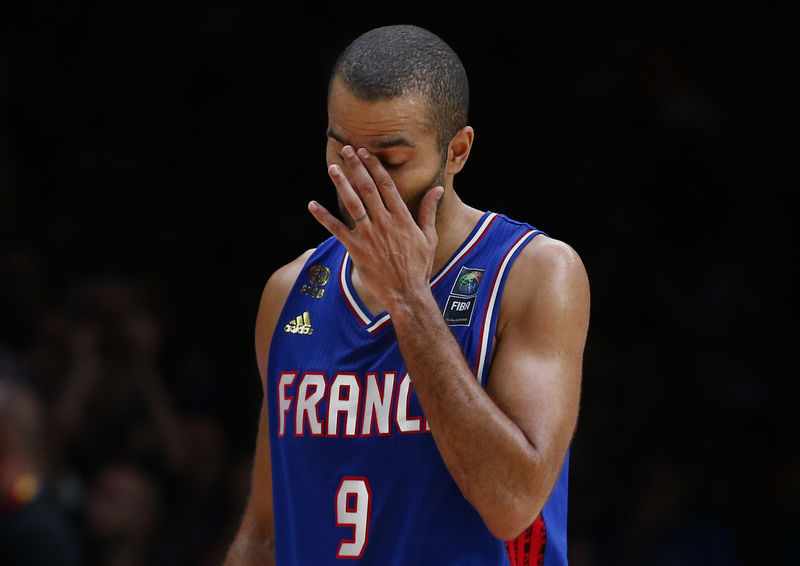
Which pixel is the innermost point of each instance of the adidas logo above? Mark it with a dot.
(300, 325)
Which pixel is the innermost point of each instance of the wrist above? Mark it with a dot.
(415, 309)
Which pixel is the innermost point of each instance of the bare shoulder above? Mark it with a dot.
(548, 256)
(547, 278)
(281, 281)
(273, 297)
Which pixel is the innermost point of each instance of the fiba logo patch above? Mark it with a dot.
(318, 276)
(460, 303)
(467, 282)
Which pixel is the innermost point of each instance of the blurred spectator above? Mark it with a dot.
(114, 402)
(121, 514)
(198, 526)
(34, 530)
(142, 478)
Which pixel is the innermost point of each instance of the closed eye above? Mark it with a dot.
(393, 162)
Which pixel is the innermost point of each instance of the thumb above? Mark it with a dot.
(427, 211)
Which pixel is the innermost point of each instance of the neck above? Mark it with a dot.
(454, 221)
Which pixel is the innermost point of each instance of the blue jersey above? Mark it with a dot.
(356, 473)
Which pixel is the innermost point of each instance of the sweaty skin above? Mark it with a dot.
(381, 157)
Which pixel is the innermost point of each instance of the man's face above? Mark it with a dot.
(396, 131)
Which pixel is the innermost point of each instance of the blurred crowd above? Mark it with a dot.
(100, 462)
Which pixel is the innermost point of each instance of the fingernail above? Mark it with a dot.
(364, 153)
(347, 151)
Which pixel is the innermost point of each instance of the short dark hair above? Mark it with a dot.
(396, 60)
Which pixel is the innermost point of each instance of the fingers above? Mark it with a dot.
(427, 212)
(373, 183)
(362, 179)
(328, 220)
(369, 189)
(351, 201)
(381, 179)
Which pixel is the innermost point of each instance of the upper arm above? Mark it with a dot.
(259, 509)
(269, 309)
(535, 375)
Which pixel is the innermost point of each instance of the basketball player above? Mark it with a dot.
(422, 366)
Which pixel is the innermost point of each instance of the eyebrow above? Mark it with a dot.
(386, 143)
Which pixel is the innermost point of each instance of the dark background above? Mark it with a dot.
(155, 164)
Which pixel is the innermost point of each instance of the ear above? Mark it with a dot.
(458, 149)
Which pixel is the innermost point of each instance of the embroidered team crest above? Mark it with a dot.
(300, 325)
(318, 276)
(461, 302)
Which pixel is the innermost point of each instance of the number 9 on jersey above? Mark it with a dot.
(353, 500)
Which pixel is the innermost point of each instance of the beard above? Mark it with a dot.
(412, 204)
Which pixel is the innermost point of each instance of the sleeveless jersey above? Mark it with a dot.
(356, 473)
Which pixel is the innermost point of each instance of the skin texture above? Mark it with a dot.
(381, 159)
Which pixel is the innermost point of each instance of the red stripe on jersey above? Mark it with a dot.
(484, 342)
(528, 548)
(347, 298)
(463, 253)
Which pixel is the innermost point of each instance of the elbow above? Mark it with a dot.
(511, 504)
(509, 528)
(507, 522)
(504, 533)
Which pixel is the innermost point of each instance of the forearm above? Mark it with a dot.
(474, 437)
(254, 544)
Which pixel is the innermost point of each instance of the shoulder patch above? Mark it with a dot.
(461, 302)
